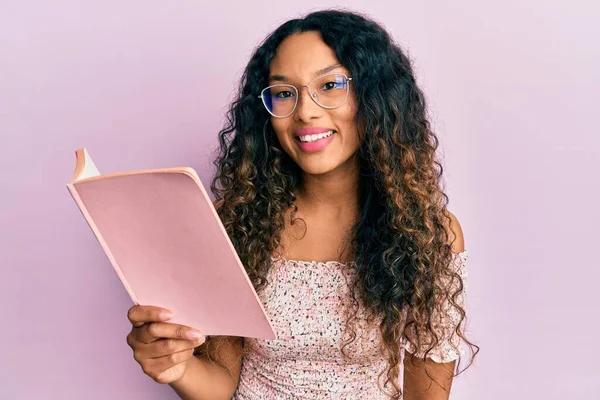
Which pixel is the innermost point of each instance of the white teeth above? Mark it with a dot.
(312, 138)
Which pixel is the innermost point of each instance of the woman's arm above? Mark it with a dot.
(418, 385)
(430, 380)
(207, 380)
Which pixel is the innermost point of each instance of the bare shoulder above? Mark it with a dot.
(455, 234)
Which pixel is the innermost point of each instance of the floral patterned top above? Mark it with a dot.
(308, 304)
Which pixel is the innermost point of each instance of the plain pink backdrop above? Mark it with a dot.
(513, 89)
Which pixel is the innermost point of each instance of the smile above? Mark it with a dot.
(314, 138)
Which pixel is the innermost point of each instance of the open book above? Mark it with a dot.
(161, 233)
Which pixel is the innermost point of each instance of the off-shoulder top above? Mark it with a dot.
(308, 304)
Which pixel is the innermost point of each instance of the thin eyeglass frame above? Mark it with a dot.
(310, 94)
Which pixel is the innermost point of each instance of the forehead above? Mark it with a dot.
(301, 55)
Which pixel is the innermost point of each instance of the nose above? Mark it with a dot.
(307, 108)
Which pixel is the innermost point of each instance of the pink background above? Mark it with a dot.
(513, 88)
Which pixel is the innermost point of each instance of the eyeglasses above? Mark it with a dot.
(328, 91)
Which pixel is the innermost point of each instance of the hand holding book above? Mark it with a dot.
(161, 348)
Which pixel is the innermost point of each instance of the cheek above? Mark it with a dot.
(347, 122)
(280, 126)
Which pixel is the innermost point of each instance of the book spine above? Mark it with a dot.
(96, 231)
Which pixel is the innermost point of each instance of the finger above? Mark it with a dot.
(164, 330)
(157, 365)
(138, 315)
(164, 347)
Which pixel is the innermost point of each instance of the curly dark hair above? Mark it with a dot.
(400, 242)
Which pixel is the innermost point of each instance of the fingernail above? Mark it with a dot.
(165, 315)
(194, 335)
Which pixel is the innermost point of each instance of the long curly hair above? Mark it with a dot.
(400, 241)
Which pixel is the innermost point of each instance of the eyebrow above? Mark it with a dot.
(320, 72)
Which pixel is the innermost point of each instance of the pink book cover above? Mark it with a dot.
(163, 237)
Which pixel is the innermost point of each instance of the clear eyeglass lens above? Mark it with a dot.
(280, 100)
(329, 90)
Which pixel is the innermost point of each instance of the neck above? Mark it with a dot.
(335, 192)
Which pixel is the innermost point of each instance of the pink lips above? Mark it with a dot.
(317, 145)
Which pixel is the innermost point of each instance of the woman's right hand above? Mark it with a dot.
(161, 348)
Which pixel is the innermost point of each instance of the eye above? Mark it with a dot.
(284, 94)
(330, 85)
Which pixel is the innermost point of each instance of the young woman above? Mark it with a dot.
(329, 188)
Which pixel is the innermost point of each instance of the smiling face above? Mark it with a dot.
(299, 59)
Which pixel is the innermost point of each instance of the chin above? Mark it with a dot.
(314, 167)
